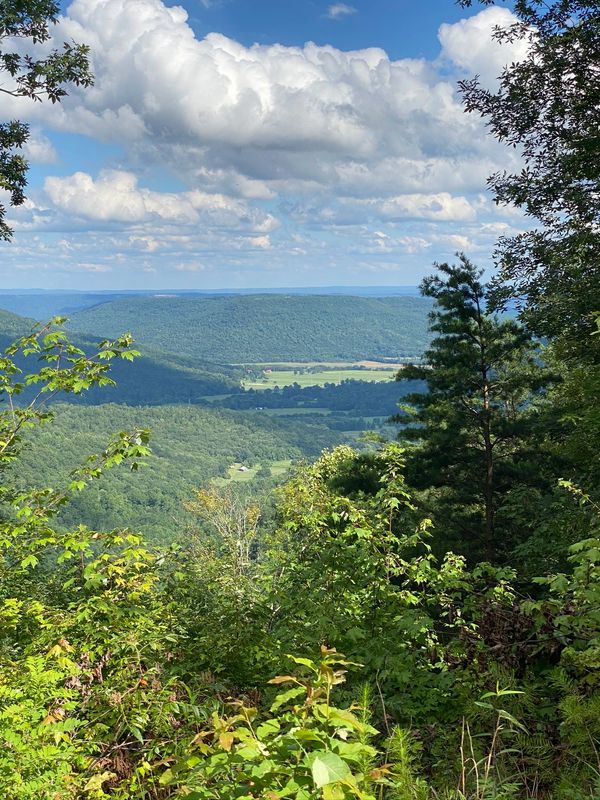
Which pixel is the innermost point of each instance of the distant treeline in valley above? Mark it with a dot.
(361, 398)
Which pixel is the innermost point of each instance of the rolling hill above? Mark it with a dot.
(45, 305)
(255, 328)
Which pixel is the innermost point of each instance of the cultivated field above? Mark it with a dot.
(318, 375)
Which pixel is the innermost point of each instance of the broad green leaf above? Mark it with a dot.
(269, 727)
(328, 768)
(356, 751)
(305, 662)
(284, 697)
(226, 740)
(166, 778)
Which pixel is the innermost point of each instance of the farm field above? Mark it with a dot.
(238, 473)
(292, 411)
(285, 365)
(287, 377)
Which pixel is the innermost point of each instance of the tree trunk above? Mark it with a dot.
(488, 486)
(488, 490)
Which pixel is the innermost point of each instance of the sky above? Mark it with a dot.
(261, 143)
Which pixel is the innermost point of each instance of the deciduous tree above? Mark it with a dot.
(23, 25)
(546, 106)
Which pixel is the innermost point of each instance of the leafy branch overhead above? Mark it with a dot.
(546, 107)
(62, 368)
(30, 76)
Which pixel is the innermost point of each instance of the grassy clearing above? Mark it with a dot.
(286, 412)
(238, 474)
(317, 378)
(215, 398)
(279, 468)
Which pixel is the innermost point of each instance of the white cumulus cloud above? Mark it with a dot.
(116, 196)
(470, 45)
(269, 119)
(39, 149)
(337, 10)
(442, 206)
(351, 147)
(262, 242)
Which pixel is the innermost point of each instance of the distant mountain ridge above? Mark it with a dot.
(238, 329)
(42, 304)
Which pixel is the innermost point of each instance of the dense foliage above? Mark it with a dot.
(546, 107)
(128, 672)
(255, 328)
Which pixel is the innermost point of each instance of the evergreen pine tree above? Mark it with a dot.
(477, 421)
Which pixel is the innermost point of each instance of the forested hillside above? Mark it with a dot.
(153, 378)
(12, 326)
(44, 304)
(190, 446)
(156, 378)
(255, 328)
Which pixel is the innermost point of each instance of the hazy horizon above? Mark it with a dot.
(345, 289)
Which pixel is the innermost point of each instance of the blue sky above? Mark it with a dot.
(403, 28)
(257, 143)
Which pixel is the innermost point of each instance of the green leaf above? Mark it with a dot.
(166, 778)
(509, 718)
(268, 728)
(95, 782)
(329, 768)
(136, 732)
(306, 662)
(331, 792)
(283, 697)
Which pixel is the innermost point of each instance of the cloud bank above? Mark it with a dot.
(268, 142)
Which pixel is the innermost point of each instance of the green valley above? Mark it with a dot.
(204, 418)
